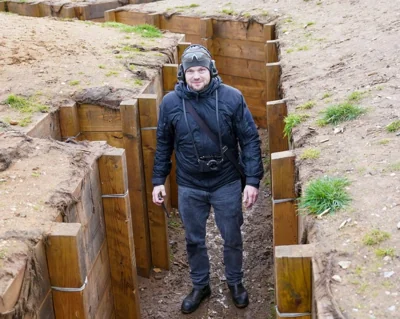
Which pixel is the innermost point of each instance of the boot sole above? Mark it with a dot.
(187, 312)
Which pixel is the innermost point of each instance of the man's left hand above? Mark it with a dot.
(250, 195)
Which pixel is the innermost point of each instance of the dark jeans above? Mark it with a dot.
(194, 207)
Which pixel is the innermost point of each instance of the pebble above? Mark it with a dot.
(387, 258)
(392, 308)
(344, 264)
(337, 278)
(388, 274)
(398, 225)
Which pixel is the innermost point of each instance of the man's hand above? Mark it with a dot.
(250, 195)
(157, 191)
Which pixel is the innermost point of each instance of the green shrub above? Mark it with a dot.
(291, 121)
(393, 127)
(375, 236)
(340, 113)
(310, 153)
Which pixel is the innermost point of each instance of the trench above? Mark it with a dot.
(247, 57)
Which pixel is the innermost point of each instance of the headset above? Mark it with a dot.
(212, 67)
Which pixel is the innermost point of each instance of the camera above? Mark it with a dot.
(210, 164)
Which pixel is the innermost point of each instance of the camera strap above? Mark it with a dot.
(203, 126)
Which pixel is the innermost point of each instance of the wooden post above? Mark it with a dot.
(276, 113)
(117, 216)
(269, 32)
(148, 110)
(206, 33)
(110, 16)
(69, 120)
(285, 219)
(136, 184)
(273, 74)
(293, 281)
(271, 51)
(67, 269)
(153, 19)
(181, 47)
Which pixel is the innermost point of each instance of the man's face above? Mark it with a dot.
(197, 77)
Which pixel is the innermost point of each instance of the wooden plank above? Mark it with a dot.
(110, 16)
(95, 10)
(248, 87)
(113, 172)
(2, 6)
(47, 126)
(106, 307)
(206, 28)
(241, 49)
(98, 118)
(114, 139)
(46, 309)
(208, 44)
(182, 47)
(240, 67)
(273, 74)
(293, 280)
(269, 32)
(136, 184)
(69, 120)
(276, 113)
(67, 269)
(130, 17)
(193, 38)
(181, 24)
(148, 110)
(10, 296)
(169, 76)
(285, 223)
(117, 216)
(239, 30)
(271, 50)
(153, 19)
(283, 175)
(24, 9)
(258, 111)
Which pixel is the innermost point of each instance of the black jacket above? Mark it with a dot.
(236, 125)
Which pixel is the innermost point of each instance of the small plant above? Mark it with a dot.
(128, 48)
(383, 252)
(306, 106)
(25, 121)
(308, 24)
(303, 48)
(326, 95)
(119, 56)
(340, 113)
(24, 105)
(356, 96)
(384, 142)
(131, 67)
(291, 121)
(326, 193)
(74, 82)
(190, 6)
(138, 82)
(102, 66)
(395, 167)
(111, 73)
(310, 153)
(228, 12)
(375, 236)
(393, 127)
(289, 50)
(144, 30)
(35, 174)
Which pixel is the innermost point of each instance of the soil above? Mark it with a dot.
(328, 50)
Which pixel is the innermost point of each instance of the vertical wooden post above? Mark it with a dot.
(117, 216)
(181, 47)
(285, 219)
(273, 74)
(110, 16)
(67, 269)
(276, 113)
(271, 51)
(148, 110)
(269, 32)
(206, 33)
(293, 281)
(136, 184)
(153, 19)
(69, 120)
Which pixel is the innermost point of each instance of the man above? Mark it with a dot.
(205, 176)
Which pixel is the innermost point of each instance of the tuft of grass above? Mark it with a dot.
(190, 6)
(395, 167)
(393, 127)
(111, 73)
(356, 96)
(340, 113)
(306, 106)
(74, 82)
(291, 121)
(383, 252)
(24, 105)
(230, 12)
(289, 50)
(326, 95)
(325, 193)
(303, 48)
(128, 48)
(384, 142)
(308, 24)
(102, 66)
(25, 121)
(144, 30)
(138, 82)
(310, 153)
(35, 174)
(375, 237)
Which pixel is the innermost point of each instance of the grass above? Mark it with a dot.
(25, 121)
(24, 105)
(308, 24)
(144, 30)
(74, 82)
(326, 95)
(303, 48)
(102, 66)
(393, 127)
(375, 237)
(138, 82)
(291, 121)
(230, 12)
(306, 106)
(35, 174)
(356, 96)
(190, 6)
(383, 252)
(325, 193)
(111, 73)
(128, 48)
(395, 167)
(310, 153)
(336, 114)
(384, 142)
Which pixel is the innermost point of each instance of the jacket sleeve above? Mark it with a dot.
(165, 146)
(249, 142)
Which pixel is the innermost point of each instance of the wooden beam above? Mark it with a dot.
(242, 49)
(240, 67)
(24, 9)
(148, 110)
(69, 120)
(109, 16)
(67, 269)
(10, 295)
(293, 280)
(182, 47)
(2, 6)
(136, 184)
(169, 75)
(285, 223)
(114, 139)
(47, 126)
(283, 175)
(271, 50)
(239, 30)
(269, 32)
(181, 24)
(206, 28)
(153, 19)
(273, 74)
(117, 216)
(95, 118)
(276, 113)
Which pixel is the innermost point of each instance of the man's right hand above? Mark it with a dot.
(158, 194)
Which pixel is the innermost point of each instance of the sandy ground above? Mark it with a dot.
(328, 48)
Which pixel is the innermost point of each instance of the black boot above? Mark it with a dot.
(193, 300)
(239, 295)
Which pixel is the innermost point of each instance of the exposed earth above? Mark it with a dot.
(330, 51)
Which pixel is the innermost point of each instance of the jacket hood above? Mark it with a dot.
(183, 92)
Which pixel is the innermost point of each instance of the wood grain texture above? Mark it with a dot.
(283, 175)
(285, 223)
(95, 118)
(276, 113)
